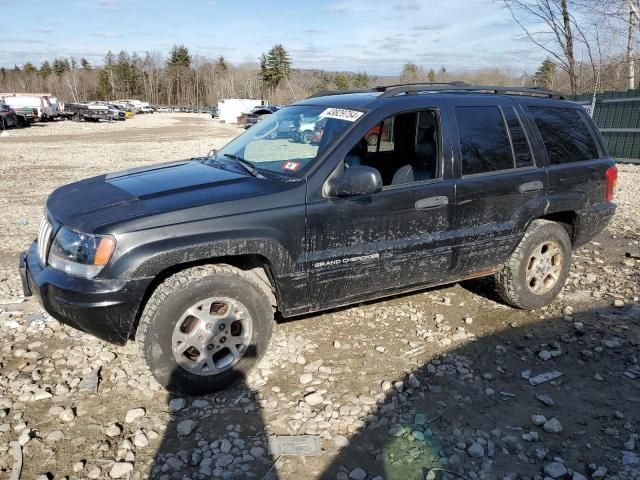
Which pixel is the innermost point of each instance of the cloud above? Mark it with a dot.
(42, 30)
(106, 3)
(411, 6)
(314, 31)
(108, 35)
(428, 28)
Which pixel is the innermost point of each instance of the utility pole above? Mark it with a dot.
(633, 22)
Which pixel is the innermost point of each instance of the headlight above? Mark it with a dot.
(80, 254)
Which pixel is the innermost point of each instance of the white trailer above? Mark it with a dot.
(229, 109)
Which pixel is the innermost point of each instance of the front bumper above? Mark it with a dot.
(104, 308)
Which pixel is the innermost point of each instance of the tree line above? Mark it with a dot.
(179, 79)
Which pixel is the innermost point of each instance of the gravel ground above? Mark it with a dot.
(447, 379)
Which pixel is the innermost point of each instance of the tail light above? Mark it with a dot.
(611, 177)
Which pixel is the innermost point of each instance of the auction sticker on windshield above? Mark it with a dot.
(341, 114)
(291, 166)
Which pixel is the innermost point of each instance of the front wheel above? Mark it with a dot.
(204, 328)
(538, 268)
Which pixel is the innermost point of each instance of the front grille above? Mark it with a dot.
(44, 239)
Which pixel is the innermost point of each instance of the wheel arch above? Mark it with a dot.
(256, 264)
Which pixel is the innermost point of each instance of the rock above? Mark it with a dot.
(177, 404)
(380, 349)
(341, 441)
(552, 426)
(358, 474)
(555, 470)
(313, 399)
(538, 420)
(120, 469)
(531, 437)
(224, 460)
(413, 381)
(26, 436)
(67, 415)
(54, 436)
(544, 355)
(578, 476)
(600, 472)
(420, 419)
(225, 446)
(200, 403)
(612, 343)
(546, 399)
(618, 303)
(306, 378)
(257, 452)
(76, 467)
(94, 473)
(134, 414)
(89, 383)
(630, 458)
(140, 440)
(544, 377)
(475, 450)
(112, 430)
(468, 320)
(185, 427)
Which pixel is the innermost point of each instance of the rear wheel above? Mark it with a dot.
(538, 268)
(205, 327)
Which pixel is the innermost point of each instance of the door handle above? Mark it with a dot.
(531, 187)
(431, 202)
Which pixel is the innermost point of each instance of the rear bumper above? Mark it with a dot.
(592, 221)
(104, 308)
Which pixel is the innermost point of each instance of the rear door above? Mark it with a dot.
(577, 163)
(499, 187)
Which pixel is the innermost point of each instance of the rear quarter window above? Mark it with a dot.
(565, 133)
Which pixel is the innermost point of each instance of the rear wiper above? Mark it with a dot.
(248, 166)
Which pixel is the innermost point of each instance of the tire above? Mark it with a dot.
(537, 270)
(306, 137)
(372, 140)
(162, 323)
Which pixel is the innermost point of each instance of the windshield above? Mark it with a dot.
(279, 144)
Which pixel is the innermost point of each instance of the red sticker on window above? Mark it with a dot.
(291, 166)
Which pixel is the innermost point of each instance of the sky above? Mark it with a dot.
(337, 35)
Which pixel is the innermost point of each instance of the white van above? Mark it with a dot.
(41, 104)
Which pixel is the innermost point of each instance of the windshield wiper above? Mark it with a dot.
(248, 166)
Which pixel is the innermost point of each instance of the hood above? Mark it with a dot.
(88, 204)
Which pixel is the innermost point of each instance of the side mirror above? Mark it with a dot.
(355, 180)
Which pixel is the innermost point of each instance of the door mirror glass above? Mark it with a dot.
(355, 180)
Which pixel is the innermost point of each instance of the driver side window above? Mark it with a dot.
(404, 148)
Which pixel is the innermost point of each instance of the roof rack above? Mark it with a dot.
(461, 87)
(447, 87)
(326, 93)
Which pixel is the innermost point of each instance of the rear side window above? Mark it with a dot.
(484, 142)
(521, 148)
(565, 134)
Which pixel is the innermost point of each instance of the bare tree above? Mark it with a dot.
(550, 25)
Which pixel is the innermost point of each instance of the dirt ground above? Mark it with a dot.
(445, 383)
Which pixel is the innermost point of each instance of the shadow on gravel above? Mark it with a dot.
(216, 436)
(458, 415)
(469, 410)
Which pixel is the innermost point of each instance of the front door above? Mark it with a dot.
(392, 239)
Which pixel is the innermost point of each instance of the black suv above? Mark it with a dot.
(193, 258)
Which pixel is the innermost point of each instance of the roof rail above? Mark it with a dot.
(460, 87)
(326, 93)
(384, 88)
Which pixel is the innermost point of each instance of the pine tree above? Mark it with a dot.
(221, 65)
(545, 75)
(341, 81)
(431, 76)
(409, 73)
(84, 63)
(361, 80)
(275, 66)
(29, 68)
(45, 69)
(179, 57)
